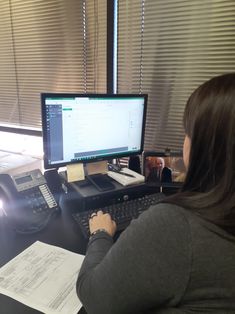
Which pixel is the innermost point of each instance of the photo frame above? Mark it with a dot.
(164, 169)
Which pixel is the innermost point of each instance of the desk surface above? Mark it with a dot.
(61, 232)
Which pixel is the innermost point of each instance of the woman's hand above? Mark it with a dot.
(100, 220)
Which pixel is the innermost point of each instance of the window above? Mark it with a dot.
(166, 49)
(49, 46)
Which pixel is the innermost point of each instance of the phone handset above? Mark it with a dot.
(27, 201)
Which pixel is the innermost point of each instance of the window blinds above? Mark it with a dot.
(49, 46)
(168, 48)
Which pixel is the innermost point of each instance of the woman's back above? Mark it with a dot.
(212, 274)
(173, 261)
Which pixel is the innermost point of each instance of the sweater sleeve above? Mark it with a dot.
(147, 268)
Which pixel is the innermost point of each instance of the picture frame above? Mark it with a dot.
(164, 168)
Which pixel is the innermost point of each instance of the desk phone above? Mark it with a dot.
(27, 201)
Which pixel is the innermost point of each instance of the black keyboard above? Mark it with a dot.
(121, 213)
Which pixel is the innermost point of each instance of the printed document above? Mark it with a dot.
(43, 277)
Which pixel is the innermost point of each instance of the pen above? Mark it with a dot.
(123, 173)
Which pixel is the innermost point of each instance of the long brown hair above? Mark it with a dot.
(209, 121)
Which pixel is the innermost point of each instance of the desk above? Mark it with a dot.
(61, 232)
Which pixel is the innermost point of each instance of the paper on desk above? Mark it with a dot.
(43, 277)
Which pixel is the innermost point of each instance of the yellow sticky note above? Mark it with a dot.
(97, 167)
(75, 172)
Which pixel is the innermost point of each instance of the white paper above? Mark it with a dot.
(43, 277)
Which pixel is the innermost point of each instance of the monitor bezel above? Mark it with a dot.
(47, 165)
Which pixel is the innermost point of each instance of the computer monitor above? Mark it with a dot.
(88, 128)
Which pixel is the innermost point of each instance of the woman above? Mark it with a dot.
(178, 256)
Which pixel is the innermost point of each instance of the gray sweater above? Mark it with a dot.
(167, 261)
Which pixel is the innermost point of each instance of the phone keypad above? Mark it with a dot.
(47, 195)
(39, 199)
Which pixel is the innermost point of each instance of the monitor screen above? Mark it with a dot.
(85, 128)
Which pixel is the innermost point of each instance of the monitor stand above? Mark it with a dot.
(101, 181)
